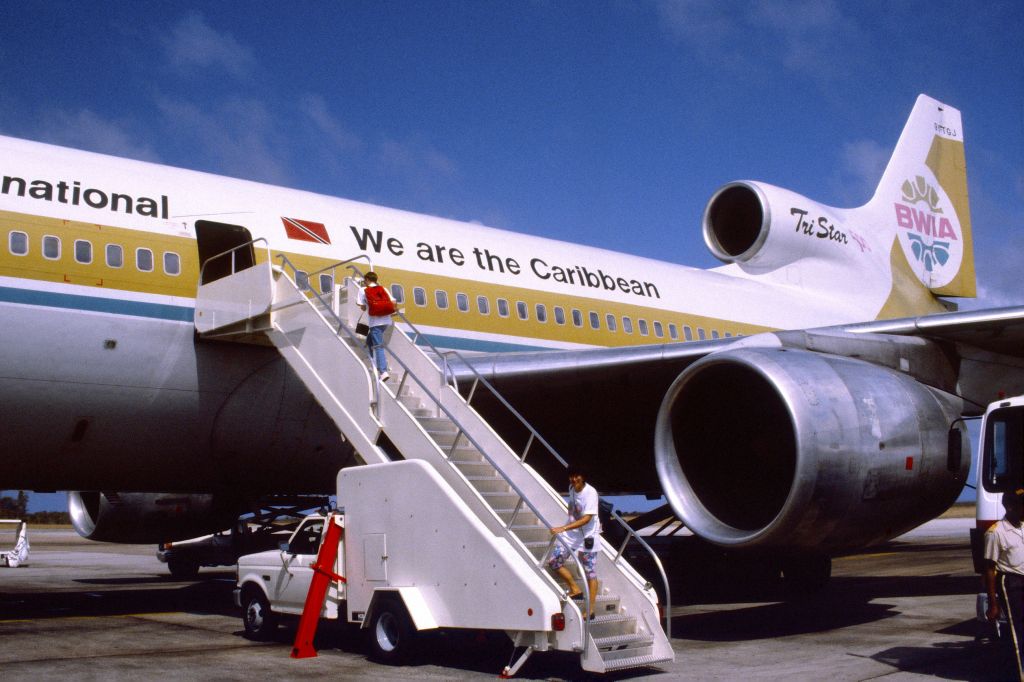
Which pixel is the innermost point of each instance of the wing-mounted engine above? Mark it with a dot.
(149, 517)
(762, 227)
(776, 448)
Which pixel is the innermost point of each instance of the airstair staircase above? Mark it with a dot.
(419, 414)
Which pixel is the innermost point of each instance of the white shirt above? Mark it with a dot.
(1004, 544)
(580, 504)
(373, 320)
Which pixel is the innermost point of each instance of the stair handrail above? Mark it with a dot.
(631, 534)
(232, 250)
(535, 435)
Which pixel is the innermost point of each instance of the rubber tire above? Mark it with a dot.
(183, 569)
(391, 635)
(259, 621)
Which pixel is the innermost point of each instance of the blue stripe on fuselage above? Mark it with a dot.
(116, 306)
(176, 313)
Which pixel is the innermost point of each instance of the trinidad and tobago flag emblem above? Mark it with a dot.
(305, 230)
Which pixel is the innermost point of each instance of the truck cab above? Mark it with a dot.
(275, 582)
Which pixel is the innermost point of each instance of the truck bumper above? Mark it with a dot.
(236, 596)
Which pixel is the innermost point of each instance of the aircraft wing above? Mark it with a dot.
(774, 440)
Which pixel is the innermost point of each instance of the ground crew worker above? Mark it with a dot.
(1004, 571)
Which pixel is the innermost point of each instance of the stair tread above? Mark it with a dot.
(635, 662)
(626, 638)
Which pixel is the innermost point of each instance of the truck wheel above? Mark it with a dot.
(391, 633)
(183, 569)
(260, 622)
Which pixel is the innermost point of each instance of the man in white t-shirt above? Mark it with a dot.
(581, 533)
(1004, 571)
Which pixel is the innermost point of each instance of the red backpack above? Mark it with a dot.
(378, 303)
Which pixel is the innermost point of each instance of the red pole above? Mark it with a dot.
(322, 576)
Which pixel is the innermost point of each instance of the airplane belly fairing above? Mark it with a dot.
(114, 402)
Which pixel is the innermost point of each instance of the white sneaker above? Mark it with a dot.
(385, 376)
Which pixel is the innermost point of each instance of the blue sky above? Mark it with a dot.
(609, 123)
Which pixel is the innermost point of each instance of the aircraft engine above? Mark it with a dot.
(763, 227)
(149, 517)
(781, 449)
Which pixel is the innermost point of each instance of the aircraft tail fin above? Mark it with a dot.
(923, 196)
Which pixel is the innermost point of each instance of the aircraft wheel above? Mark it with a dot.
(391, 633)
(260, 622)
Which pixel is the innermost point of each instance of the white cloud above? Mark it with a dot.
(86, 129)
(194, 43)
(861, 165)
(237, 136)
(331, 131)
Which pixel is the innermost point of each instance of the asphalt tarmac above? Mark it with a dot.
(904, 611)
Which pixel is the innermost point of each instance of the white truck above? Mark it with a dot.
(415, 557)
(999, 469)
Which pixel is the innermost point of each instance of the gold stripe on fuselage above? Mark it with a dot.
(128, 277)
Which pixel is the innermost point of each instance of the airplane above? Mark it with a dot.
(797, 399)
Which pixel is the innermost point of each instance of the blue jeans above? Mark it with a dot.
(375, 345)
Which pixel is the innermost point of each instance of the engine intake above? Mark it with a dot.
(780, 448)
(149, 517)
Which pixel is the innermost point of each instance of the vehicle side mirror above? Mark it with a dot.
(283, 546)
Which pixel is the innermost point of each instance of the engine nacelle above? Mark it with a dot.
(773, 448)
(764, 227)
(149, 517)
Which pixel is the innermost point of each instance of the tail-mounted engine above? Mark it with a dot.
(763, 227)
(777, 448)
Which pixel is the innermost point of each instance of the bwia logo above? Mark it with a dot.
(929, 230)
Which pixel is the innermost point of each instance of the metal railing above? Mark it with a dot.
(633, 535)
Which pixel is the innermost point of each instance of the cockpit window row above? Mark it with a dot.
(51, 247)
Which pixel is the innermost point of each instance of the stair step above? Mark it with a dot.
(476, 469)
(628, 640)
(489, 484)
(611, 625)
(634, 662)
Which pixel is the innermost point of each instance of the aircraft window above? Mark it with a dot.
(627, 325)
(51, 247)
(172, 264)
(144, 260)
(522, 310)
(483, 305)
(302, 280)
(714, 333)
(559, 314)
(327, 284)
(441, 298)
(419, 296)
(701, 335)
(18, 243)
(83, 251)
(687, 333)
(595, 320)
(728, 335)
(397, 292)
(577, 317)
(611, 322)
(659, 331)
(503, 307)
(642, 324)
(462, 302)
(673, 331)
(542, 312)
(115, 256)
